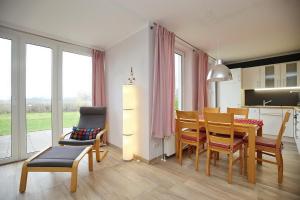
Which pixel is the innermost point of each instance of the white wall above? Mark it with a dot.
(132, 52)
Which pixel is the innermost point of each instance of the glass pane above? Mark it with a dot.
(178, 91)
(5, 98)
(269, 76)
(77, 87)
(38, 97)
(291, 74)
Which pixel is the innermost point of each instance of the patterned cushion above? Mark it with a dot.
(267, 142)
(84, 133)
(236, 144)
(202, 137)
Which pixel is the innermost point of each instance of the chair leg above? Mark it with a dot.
(208, 161)
(245, 157)
(197, 158)
(280, 166)
(90, 157)
(97, 149)
(180, 153)
(230, 168)
(74, 179)
(241, 157)
(23, 180)
(215, 155)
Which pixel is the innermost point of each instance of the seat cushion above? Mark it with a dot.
(267, 142)
(239, 134)
(236, 144)
(57, 156)
(73, 142)
(202, 138)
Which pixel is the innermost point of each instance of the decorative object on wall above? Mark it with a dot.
(129, 117)
(99, 98)
(219, 72)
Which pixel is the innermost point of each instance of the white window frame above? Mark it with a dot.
(181, 53)
(18, 91)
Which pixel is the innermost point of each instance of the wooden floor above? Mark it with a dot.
(115, 179)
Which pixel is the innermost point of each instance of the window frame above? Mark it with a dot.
(181, 53)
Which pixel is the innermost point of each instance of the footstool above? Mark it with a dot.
(57, 159)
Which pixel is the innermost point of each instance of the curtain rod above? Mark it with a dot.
(151, 27)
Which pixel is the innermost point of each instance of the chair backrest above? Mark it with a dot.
(239, 111)
(211, 110)
(282, 129)
(219, 128)
(188, 123)
(92, 117)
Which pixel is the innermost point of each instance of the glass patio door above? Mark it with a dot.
(6, 151)
(38, 97)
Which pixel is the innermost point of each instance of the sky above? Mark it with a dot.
(77, 72)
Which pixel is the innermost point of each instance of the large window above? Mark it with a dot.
(5, 98)
(77, 87)
(42, 86)
(178, 81)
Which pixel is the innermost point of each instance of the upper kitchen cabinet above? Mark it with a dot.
(251, 78)
(290, 74)
(270, 76)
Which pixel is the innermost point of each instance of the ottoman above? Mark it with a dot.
(57, 159)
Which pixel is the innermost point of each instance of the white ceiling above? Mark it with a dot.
(233, 30)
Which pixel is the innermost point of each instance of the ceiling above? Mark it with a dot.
(234, 30)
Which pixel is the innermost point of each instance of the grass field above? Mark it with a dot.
(38, 121)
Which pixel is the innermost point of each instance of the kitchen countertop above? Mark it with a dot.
(261, 106)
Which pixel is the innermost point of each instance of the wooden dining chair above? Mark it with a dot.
(189, 133)
(240, 112)
(220, 138)
(211, 110)
(273, 147)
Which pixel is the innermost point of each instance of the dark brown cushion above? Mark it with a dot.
(236, 144)
(267, 142)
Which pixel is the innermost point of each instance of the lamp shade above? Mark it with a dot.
(129, 120)
(219, 72)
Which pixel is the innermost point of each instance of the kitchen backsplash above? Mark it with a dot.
(279, 98)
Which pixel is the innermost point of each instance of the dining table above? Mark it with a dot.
(252, 128)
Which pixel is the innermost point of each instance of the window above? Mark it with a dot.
(77, 87)
(38, 97)
(178, 81)
(5, 98)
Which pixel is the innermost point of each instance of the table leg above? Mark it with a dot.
(259, 153)
(251, 169)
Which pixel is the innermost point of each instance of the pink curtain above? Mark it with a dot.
(163, 84)
(99, 98)
(201, 70)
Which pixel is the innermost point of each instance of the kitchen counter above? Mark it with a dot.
(261, 106)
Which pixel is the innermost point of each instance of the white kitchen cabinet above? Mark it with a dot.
(251, 78)
(229, 92)
(272, 118)
(253, 113)
(270, 76)
(290, 74)
(289, 130)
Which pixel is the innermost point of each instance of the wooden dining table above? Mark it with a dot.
(252, 130)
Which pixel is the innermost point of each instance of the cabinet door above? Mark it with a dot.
(290, 74)
(289, 130)
(253, 113)
(251, 78)
(270, 76)
(272, 119)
